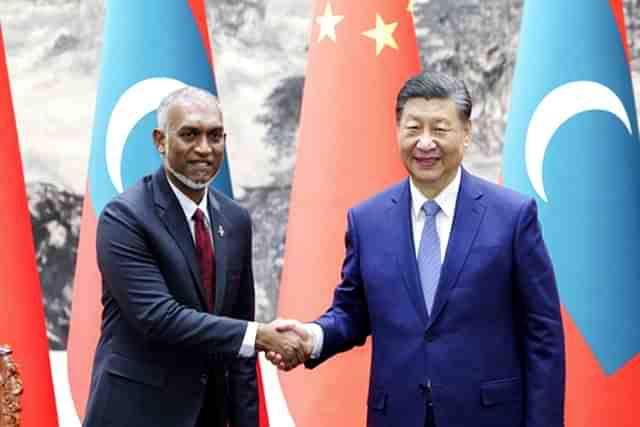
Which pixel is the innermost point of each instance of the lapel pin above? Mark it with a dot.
(220, 231)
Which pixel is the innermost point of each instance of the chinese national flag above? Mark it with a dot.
(22, 324)
(360, 55)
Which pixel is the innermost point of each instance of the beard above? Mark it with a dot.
(186, 181)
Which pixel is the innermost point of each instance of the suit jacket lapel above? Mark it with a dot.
(401, 224)
(172, 216)
(220, 229)
(466, 222)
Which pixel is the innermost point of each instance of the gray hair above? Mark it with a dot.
(429, 85)
(183, 95)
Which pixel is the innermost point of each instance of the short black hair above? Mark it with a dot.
(429, 85)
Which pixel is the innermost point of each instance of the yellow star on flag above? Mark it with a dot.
(328, 23)
(382, 34)
(411, 6)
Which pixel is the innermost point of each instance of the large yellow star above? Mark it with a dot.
(382, 34)
(328, 23)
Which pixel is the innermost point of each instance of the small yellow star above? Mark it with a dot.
(328, 23)
(410, 8)
(382, 34)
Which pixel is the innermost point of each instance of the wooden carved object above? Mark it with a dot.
(10, 389)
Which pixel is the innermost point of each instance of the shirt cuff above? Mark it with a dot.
(248, 347)
(318, 338)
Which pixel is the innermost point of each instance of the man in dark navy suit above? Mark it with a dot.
(178, 341)
(450, 276)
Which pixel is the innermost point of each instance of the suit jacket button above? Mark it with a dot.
(204, 378)
(428, 336)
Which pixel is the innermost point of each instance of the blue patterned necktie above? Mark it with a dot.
(429, 261)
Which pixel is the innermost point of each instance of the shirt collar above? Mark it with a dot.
(189, 206)
(446, 199)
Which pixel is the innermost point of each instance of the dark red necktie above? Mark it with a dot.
(204, 250)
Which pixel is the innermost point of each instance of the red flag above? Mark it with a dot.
(22, 324)
(360, 55)
(618, 12)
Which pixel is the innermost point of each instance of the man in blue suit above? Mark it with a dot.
(178, 341)
(450, 276)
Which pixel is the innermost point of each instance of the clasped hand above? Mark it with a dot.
(286, 343)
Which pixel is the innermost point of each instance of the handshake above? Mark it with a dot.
(286, 343)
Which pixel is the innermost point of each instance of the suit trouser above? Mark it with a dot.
(206, 418)
(212, 412)
(430, 418)
(430, 421)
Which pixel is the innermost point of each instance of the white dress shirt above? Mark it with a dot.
(444, 220)
(247, 349)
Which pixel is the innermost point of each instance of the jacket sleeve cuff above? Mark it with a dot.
(248, 347)
(318, 338)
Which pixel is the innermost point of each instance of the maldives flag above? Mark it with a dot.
(572, 143)
(150, 49)
(360, 55)
(22, 324)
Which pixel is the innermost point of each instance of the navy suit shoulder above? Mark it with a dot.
(136, 199)
(499, 194)
(381, 199)
(491, 193)
(230, 206)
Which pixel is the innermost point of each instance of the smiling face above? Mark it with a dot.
(432, 136)
(192, 145)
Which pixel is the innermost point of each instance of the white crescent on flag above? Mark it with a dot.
(557, 107)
